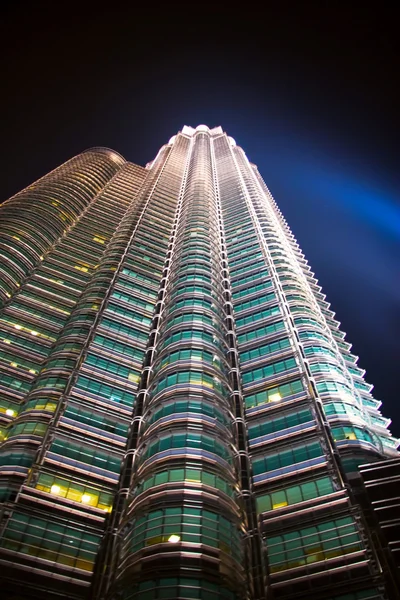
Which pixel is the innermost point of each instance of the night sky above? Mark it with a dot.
(308, 89)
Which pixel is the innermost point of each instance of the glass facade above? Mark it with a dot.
(180, 414)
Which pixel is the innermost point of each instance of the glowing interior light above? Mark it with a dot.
(14, 364)
(275, 397)
(10, 412)
(55, 489)
(18, 326)
(7, 341)
(34, 333)
(86, 498)
(174, 538)
(32, 371)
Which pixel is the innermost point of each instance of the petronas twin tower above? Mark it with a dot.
(181, 416)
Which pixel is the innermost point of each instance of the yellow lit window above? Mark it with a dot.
(99, 239)
(16, 237)
(274, 397)
(134, 377)
(79, 268)
(279, 505)
(10, 412)
(55, 489)
(14, 364)
(18, 326)
(351, 436)
(34, 333)
(174, 538)
(7, 341)
(32, 371)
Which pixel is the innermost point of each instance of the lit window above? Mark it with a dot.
(174, 538)
(275, 397)
(279, 505)
(7, 341)
(32, 371)
(18, 326)
(99, 239)
(86, 498)
(14, 364)
(34, 333)
(55, 489)
(10, 412)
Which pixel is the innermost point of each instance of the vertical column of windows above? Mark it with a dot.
(292, 459)
(185, 480)
(330, 360)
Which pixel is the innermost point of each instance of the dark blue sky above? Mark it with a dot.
(308, 92)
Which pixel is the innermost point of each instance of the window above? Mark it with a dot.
(127, 350)
(28, 428)
(252, 290)
(133, 300)
(190, 334)
(324, 367)
(188, 406)
(95, 419)
(260, 332)
(280, 423)
(352, 433)
(189, 524)
(312, 544)
(192, 355)
(187, 439)
(269, 370)
(274, 394)
(90, 455)
(187, 318)
(182, 587)
(111, 392)
(110, 366)
(254, 317)
(190, 378)
(128, 314)
(256, 302)
(65, 544)
(187, 475)
(78, 492)
(261, 351)
(285, 458)
(124, 329)
(295, 494)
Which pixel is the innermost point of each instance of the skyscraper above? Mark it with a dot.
(182, 417)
